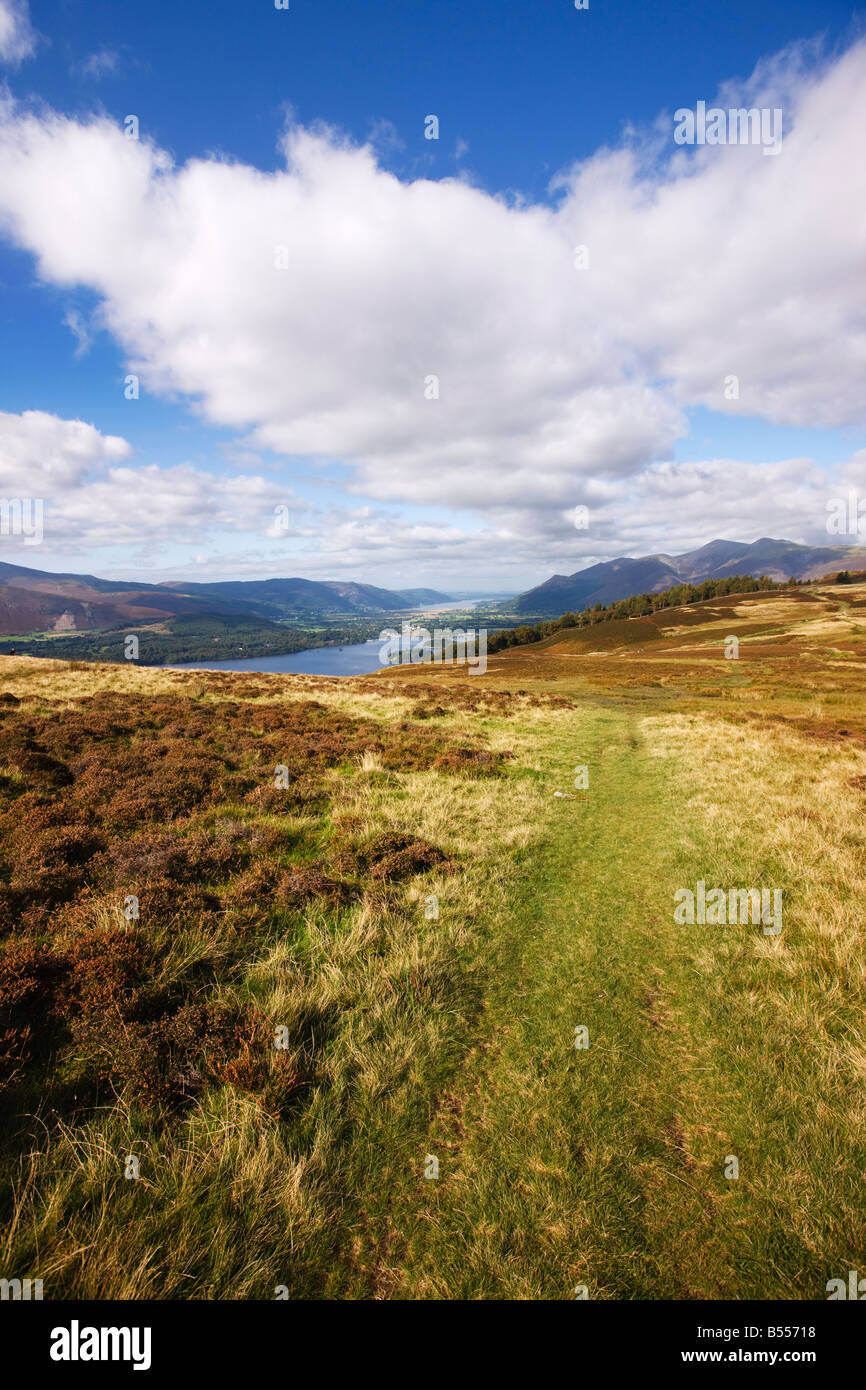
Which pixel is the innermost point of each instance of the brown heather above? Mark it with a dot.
(106, 797)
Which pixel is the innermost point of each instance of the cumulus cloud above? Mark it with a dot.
(17, 39)
(39, 452)
(664, 508)
(785, 499)
(426, 333)
(724, 262)
(94, 496)
(449, 346)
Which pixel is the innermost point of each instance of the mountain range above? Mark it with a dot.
(279, 599)
(616, 579)
(39, 601)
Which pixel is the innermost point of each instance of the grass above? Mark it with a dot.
(605, 1168)
(376, 996)
(415, 1035)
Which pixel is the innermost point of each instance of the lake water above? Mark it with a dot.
(358, 659)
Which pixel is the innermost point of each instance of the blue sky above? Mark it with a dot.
(551, 120)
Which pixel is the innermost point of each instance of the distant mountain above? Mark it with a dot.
(414, 597)
(297, 598)
(38, 601)
(268, 598)
(367, 597)
(615, 579)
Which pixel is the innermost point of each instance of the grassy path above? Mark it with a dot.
(605, 1167)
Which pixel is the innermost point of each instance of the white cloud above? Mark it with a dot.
(94, 497)
(39, 452)
(100, 64)
(556, 385)
(664, 508)
(17, 39)
(80, 330)
(387, 286)
(731, 263)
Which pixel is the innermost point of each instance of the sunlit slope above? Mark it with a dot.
(797, 648)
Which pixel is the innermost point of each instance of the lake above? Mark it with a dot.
(358, 659)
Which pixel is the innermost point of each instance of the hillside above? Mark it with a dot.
(374, 917)
(291, 598)
(617, 579)
(40, 601)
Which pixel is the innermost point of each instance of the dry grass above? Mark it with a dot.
(155, 1038)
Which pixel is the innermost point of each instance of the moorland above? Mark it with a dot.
(379, 983)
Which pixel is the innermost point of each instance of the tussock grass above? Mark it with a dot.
(265, 1177)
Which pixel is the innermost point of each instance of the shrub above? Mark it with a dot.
(309, 883)
(472, 762)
